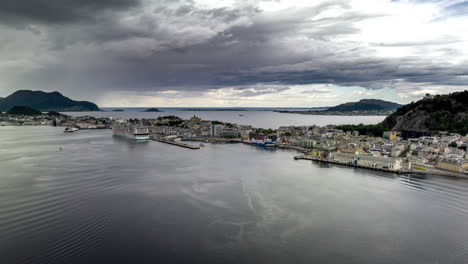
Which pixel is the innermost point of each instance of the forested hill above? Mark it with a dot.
(365, 105)
(439, 113)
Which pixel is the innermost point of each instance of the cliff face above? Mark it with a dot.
(43, 101)
(442, 112)
(366, 105)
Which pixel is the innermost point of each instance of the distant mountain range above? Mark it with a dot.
(365, 105)
(433, 113)
(45, 102)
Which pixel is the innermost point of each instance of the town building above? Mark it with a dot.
(388, 163)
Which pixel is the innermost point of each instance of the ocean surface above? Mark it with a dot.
(90, 197)
(263, 118)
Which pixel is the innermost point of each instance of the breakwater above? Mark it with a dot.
(179, 144)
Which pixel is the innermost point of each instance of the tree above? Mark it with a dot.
(453, 145)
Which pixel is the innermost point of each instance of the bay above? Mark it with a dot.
(104, 199)
(256, 118)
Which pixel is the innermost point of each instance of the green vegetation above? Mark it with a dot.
(24, 110)
(445, 121)
(53, 113)
(175, 122)
(440, 113)
(171, 117)
(403, 154)
(287, 134)
(453, 145)
(418, 168)
(216, 122)
(266, 131)
(368, 130)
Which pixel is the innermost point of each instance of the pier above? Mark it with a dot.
(179, 144)
(305, 157)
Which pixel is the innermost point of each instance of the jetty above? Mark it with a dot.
(175, 143)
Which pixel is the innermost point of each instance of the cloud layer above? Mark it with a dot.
(234, 52)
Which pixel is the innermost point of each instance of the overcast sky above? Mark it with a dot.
(234, 52)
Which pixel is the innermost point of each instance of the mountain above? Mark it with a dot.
(23, 111)
(433, 113)
(43, 101)
(365, 105)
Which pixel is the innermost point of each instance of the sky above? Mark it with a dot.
(234, 53)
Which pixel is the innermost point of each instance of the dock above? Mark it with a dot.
(305, 157)
(179, 144)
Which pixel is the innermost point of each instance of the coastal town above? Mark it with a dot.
(439, 153)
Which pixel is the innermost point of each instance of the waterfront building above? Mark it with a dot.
(388, 163)
(231, 133)
(216, 130)
(455, 165)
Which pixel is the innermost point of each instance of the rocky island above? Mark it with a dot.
(152, 110)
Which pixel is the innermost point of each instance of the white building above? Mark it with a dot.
(369, 161)
(216, 130)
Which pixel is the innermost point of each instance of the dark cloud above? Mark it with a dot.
(58, 11)
(128, 45)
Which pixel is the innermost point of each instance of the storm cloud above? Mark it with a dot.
(96, 49)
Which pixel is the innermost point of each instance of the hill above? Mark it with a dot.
(45, 102)
(439, 113)
(24, 111)
(365, 105)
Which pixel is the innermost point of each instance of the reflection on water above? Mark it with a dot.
(105, 199)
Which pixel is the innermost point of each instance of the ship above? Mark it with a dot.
(70, 129)
(268, 143)
(131, 130)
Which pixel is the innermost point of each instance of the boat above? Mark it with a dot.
(261, 143)
(71, 129)
(202, 145)
(131, 130)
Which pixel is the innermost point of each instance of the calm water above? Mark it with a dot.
(104, 199)
(263, 119)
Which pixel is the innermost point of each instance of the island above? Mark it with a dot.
(152, 110)
(45, 102)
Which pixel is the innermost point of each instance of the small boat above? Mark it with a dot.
(202, 145)
(241, 115)
(70, 129)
